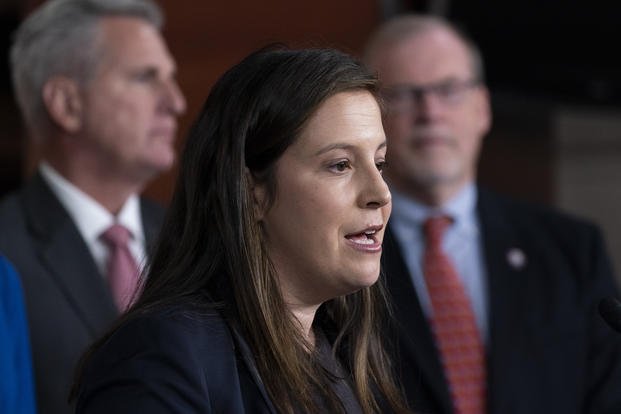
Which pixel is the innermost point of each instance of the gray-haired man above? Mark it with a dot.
(96, 86)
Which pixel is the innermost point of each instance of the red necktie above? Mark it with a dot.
(122, 271)
(453, 324)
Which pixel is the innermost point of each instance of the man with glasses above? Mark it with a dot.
(495, 300)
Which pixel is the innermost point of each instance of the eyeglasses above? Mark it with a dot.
(407, 98)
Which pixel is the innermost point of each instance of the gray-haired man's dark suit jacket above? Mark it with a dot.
(68, 302)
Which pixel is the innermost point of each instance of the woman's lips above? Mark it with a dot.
(366, 240)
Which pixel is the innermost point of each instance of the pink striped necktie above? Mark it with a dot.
(453, 324)
(122, 271)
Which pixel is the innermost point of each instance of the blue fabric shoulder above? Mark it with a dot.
(16, 381)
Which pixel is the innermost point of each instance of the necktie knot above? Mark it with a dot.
(434, 228)
(116, 235)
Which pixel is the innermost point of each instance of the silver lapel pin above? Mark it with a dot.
(516, 258)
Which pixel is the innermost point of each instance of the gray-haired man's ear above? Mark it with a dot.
(63, 103)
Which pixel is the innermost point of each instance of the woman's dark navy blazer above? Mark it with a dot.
(173, 361)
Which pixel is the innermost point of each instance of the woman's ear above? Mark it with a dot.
(259, 195)
(62, 101)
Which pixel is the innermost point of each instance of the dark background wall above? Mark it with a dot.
(11, 145)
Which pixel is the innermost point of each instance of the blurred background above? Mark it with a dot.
(552, 68)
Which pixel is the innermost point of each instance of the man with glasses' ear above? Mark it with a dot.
(495, 300)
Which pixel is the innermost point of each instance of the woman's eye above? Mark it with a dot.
(341, 166)
(381, 165)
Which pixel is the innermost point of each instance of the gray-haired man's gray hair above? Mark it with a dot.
(59, 38)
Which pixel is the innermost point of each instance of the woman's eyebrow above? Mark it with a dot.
(334, 146)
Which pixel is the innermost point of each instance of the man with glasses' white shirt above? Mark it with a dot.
(495, 300)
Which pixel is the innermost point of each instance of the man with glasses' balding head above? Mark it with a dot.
(495, 300)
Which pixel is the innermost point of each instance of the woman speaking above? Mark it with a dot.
(262, 296)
